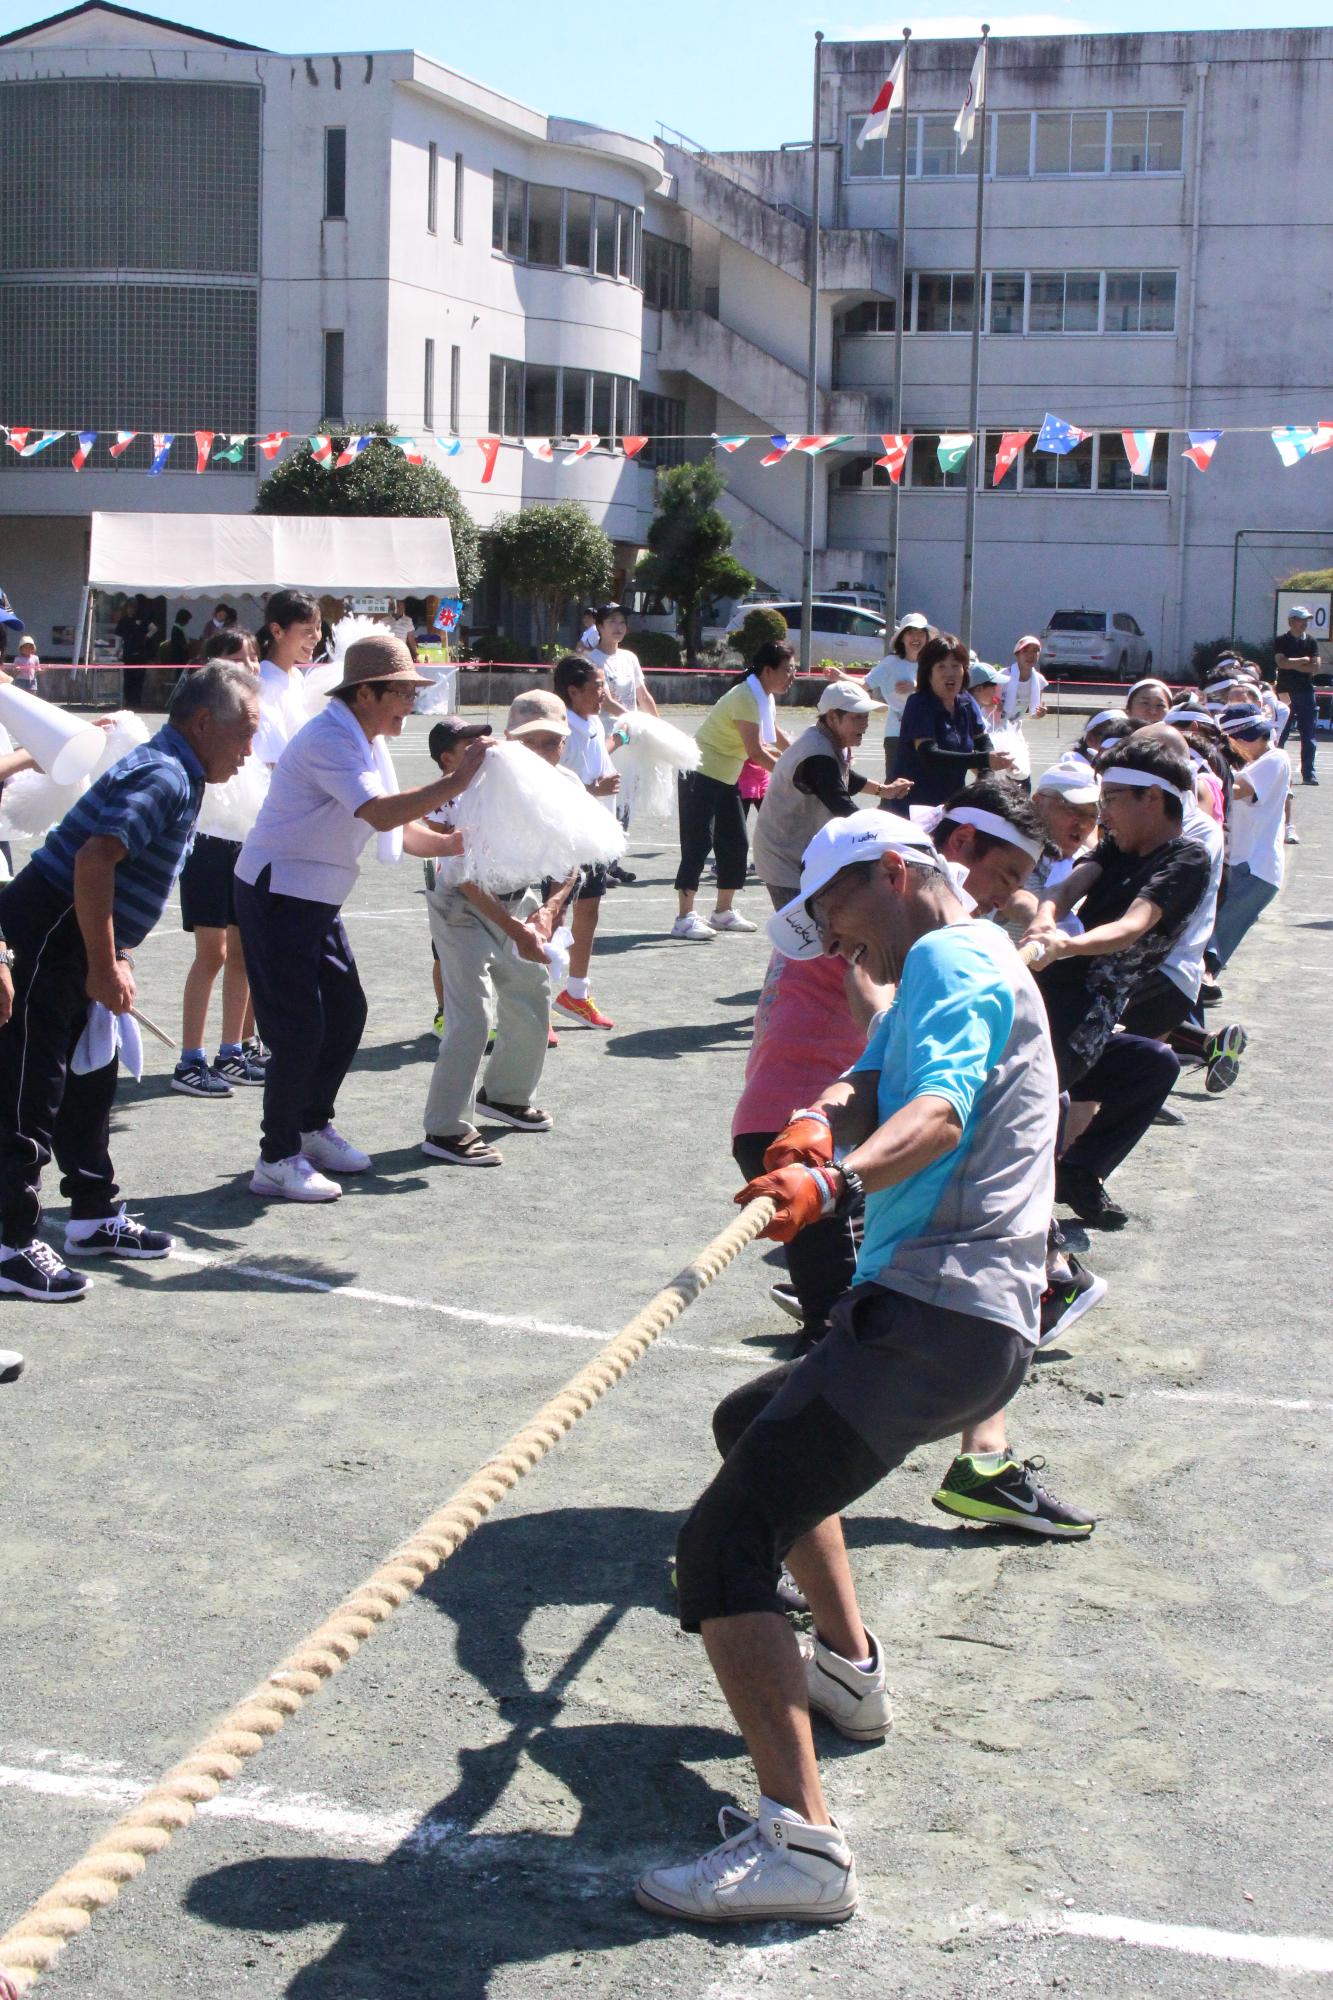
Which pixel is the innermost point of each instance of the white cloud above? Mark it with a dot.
(967, 27)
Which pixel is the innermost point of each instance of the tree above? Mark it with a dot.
(380, 483)
(550, 553)
(689, 555)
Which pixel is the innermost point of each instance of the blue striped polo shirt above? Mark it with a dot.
(149, 802)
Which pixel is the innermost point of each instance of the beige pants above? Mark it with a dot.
(476, 962)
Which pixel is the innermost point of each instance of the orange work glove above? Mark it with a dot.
(804, 1141)
(803, 1195)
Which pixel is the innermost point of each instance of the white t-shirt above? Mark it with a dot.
(622, 672)
(881, 681)
(585, 752)
(307, 832)
(590, 639)
(1183, 965)
(283, 710)
(1256, 824)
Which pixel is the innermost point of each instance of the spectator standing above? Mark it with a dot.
(138, 637)
(742, 725)
(580, 684)
(176, 645)
(26, 664)
(894, 679)
(287, 643)
(1298, 663)
(626, 689)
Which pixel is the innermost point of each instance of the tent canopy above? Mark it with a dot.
(177, 554)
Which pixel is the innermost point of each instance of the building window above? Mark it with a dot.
(544, 208)
(455, 386)
(606, 238)
(432, 188)
(541, 400)
(335, 172)
(1024, 144)
(552, 227)
(428, 388)
(534, 399)
(578, 231)
(663, 418)
(1097, 465)
(506, 398)
(871, 316)
(458, 197)
(666, 273)
(1008, 293)
(332, 400)
(1114, 475)
(1019, 302)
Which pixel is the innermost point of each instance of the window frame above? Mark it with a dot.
(333, 342)
(432, 189)
(459, 194)
(428, 385)
(916, 145)
(455, 387)
(332, 173)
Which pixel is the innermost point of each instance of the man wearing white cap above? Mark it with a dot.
(1024, 687)
(947, 1124)
(813, 782)
(1298, 655)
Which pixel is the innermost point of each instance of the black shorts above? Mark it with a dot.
(592, 885)
(803, 1441)
(207, 902)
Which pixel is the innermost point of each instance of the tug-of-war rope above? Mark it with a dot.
(32, 1945)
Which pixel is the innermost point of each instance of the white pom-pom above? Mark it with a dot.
(316, 683)
(126, 733)
(229, 811)
(648, 762)
(32, 803)
(521, 821)
(347, 631)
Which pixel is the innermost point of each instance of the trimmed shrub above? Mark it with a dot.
(758, 627)
(655, 649)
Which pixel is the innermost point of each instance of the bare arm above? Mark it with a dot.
(757, 751)
(14, 761)
(906, 1144)
(851, 1106)
(400, 807)
(110, 979)
(1141, 917)
(430, 843)
(1063, 897)
(524, 940)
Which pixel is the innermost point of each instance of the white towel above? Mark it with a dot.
(105, 1036)
(388, 846)
(768, 714)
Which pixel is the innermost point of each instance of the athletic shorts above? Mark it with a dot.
(592, 885)
(803, 1441)
(206, 883)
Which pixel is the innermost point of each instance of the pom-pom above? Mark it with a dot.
(648, 761)
(126, 733)
(229, 811)
(522, 821)
(32, 803)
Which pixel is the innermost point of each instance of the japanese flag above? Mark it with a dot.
(877, 124)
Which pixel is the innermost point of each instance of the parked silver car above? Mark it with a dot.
(841, 632)
(1104, 645)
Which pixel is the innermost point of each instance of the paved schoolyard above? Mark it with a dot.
(206, 1454)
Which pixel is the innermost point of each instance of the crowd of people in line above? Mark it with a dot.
(982, 990)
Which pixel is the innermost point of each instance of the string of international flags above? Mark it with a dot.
(1293, 442)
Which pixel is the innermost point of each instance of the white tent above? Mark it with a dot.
(167, 554)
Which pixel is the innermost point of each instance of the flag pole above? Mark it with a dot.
(900, 314)
(977, 468)
(812, 372)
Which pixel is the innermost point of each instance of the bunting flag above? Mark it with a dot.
(732, 442)
(1058, 436)
(896, 445)
(87, 439)
(233, 451)
(1297, 441)
(781, 446)
(539, 448)
(1138, 450)
(124, 439)
(812, 446)
(1199, 451)
(877, 124)
(449, 446)
(352, 449)
(203, 445)
(33, 445)
(632, 446)
(321, 450)
(273, 443)
(162, 443)
(490, 451)
(952, 449)
(582, 446)
(410, 450)
(18, 438)
(1012, 446)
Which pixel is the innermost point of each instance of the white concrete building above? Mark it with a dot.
(195, 233)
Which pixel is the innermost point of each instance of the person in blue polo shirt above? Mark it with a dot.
(69, 921)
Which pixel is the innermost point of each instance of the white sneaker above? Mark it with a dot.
(776, 1866)
(293, 1179)
(730, 920)
(693, 927)
(854, 1699)
(328, 1149)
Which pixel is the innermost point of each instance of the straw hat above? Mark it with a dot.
(379, 657)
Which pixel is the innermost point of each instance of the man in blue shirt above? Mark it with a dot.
(69, 921)
(947, 1126)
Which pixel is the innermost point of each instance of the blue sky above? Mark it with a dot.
(635, 66)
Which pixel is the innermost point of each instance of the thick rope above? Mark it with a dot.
(34, 1943)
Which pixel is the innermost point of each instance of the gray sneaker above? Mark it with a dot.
(854, 1699)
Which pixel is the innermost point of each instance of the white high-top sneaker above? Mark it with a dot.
(775, 1867)
(854, 1699)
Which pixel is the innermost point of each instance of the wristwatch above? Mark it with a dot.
(853, 1192)
(6, 955)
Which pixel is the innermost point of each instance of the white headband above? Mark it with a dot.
(988, 822)
(1120, 774)
(1104, 715)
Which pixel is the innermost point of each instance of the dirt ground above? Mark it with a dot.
(207, 1453)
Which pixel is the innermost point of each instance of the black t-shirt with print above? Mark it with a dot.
(1085, 997)
(1288, 647)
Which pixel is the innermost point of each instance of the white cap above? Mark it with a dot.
(1300, 611)
(1075, 782)
(852, 697)
(1028, 639)
(861, 836)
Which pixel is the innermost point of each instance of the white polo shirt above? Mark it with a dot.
(283, 710)
(307, 833)
(622, 673)
(585, 752)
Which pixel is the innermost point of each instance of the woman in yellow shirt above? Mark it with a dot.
(742, 725)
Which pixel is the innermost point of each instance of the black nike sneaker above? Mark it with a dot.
(1012, 1497)
(1062, 1304)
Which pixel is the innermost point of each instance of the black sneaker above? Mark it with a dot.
(1062, 1304)
(196, 1079)
(35, 1272)
(1210, 994)
(239, 1068)
(11, 1365)
(1079, 1188)
(254, 1049)
(1224, 1059)
(1013, 1497)
(622, 875)
(1168, 1115)
(121, 1235)
(785, 1298)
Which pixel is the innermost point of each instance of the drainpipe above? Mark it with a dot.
(1182, 511)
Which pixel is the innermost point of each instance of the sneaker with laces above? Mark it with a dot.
(1011, 1497)
(292, 1179)
(11, 1365)
(35, 1272)
(1062, 1303)
(239, 1068)
(118, 1235)
(854, 1699)
(255, 1050)
(437, 1024)
(775, 1867)
(1080, 1189)
(583, 1010)
(730, 920)
(784, 1297)
(332, 1154)
(1223, 1066)
(692, 928)
(196, 1079)
(462, 1149)
(523, 1117)
(622, 876)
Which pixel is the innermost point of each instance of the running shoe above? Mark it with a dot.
(583, 1010)
(854, 1699)
(462, 1149)
(11, 1365)
(777, 1868)
(293, 1179)
(254, 1048)
(785, 1298)
(239, 1068)
(1224, 1059)
(1079, 1188)
(1062, 1304)
(692, 928)
(118, 1235)
(1011, 1497)
(623, 876)
(1168, 1115)
(437, 1024)
(1210, 994)
(35, 1272)
(730, 920)
(332, 1154)
(196, 1079)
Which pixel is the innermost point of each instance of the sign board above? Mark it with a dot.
(1318, 602)
(369, 607)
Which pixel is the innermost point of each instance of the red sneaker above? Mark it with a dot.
(583, 1010)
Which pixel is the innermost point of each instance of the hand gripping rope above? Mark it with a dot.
(34, 1943)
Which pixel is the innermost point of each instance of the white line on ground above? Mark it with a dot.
(1279, 1954)
(469, 1316)
(1236, 1401)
